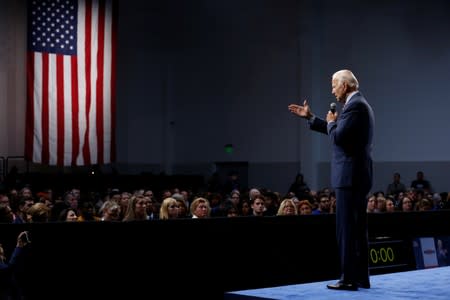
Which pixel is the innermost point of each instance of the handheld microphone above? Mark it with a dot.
(333, 107)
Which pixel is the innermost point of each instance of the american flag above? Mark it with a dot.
(71, 71)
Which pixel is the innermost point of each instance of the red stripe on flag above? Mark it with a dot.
(87, 49)
(60, 109)
(100, 78)
(45, 109)
(75, 110)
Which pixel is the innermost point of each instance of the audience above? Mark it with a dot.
(23, 204)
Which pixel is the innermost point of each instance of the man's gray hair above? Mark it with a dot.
(347, 77)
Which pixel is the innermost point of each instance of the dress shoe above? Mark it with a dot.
(343, 286)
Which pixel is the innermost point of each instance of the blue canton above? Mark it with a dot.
(52, 26)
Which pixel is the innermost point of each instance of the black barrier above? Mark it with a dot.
(206, 256)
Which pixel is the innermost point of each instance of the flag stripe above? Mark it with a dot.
(45, 110)
(60, 115)
(87, 52)
(75, 111)
(68, 132)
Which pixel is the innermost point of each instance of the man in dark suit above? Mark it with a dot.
(351, 134)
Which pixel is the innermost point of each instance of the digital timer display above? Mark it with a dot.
(384, 254)
(387, 254)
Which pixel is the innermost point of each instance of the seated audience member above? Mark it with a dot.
(424, 205)
(200, 208)
(38, 212)
(68, 215)
(87, 212)
(169, 209)
(390, 205)
(406, 204)
(6, 213)
(381, 204)
(110, 211)
(287, 208)
(245, 208)
(324, 205)
(304, 207)
(371, 204)
(258, 205)
(137, 209)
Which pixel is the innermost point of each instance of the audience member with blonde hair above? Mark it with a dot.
(200, 208)
(168, 209)
(287, 208)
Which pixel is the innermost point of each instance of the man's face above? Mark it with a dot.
(338, 90)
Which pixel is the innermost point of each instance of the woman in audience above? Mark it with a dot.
(287, 208)
(304, 207)
(371, 204)
(39, 212)
(406, 204)
(183, 211)
(168, 209)
(200, 208)
(110, 211)
(68, 215)
(137, 209)
(390, 205)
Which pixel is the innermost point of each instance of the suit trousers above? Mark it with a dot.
(352, 234)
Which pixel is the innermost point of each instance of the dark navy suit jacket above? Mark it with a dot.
(351, 136)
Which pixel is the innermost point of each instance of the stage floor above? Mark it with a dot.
(426, 284)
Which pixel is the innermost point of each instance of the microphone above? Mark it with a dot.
(333, 107)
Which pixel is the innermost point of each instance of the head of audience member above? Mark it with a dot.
(258, 205)
(287, 208)
(253, 193)
(183, 210)
(324, 203)
(26, 193)
(390, 205)
(6, 213)
(304, 207)
(39, 212)
(68, 215)
(235, 197)
(169, 209)
(87, 212)
(372, 204)
(381, 204)
(245, 208)
(406, 204)
(71, 200)
(137, 209)
(110, 211)
(425, 205)
(200, 208)
(231, 211)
